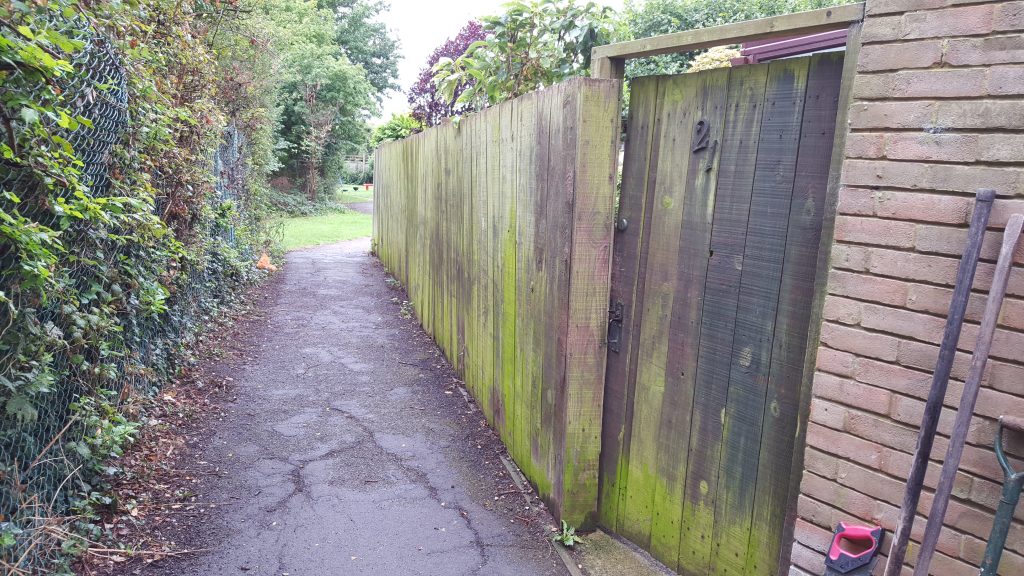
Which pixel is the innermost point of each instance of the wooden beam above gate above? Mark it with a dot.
(609, 61)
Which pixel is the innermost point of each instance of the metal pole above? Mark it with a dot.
(940, 379)
(958, 437)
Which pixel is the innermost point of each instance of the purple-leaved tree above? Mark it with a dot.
(427, 105)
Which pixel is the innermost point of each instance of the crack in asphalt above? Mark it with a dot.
(354, 451)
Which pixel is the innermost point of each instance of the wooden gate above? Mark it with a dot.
(723, 197)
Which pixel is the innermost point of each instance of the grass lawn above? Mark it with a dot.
(348, 193)
(303, 231)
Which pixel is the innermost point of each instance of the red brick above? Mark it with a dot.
(928, 114)
(815, 512)
(969, 519)
(841, 444)
(856, 201)
(988, 493)
(859, 342)
(810, 561)
(994, 403)
(892, 377)
(881, 29)
(1012, 314)
(1008, 16)
(916, 175)
(1001, 147)
(932, 147)
(1005, 376)
(983, 279)
(984, 51)
(822, 464)
(1000, 114)
(1002, 208)
(852, 393)
(1006, 80)
(892, 115)
(881, 431)
(951, 241)
(911, 266)
(876, 7)
(865, 287)
(846, 446)
(874, 231)
(876, 57)
(864, 145)
(922, 356)
(902, 323)
(835, 361)
(1007, 345)
(945, 566)
(965, 21)
(936, 300)
(849, 257)
(851, 503)
(828, 414)
(924, 207)
(841, 310)
(871, 482)
(910, 411)
(932, 83)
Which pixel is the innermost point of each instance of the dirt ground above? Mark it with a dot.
(343, 444)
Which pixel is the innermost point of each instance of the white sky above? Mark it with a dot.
(422, 25)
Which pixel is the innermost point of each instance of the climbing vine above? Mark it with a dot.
(133, 151)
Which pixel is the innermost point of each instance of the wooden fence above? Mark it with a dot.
(500, 228)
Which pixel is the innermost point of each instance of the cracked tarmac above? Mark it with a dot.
(346, 450)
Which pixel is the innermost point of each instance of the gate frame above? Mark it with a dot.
(609, 62)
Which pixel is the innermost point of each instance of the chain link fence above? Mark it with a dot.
(42, 453)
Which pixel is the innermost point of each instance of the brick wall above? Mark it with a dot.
(937, 112)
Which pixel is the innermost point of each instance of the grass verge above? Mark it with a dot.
(349, 193)
(305, 231)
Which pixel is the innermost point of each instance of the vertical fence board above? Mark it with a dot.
(625, 287)
(771, 504)
(728, 238)
(678, 119)
(506, 248)
(738, 440)
(597, 133)
(689, 270)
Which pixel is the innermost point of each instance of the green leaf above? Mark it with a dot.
(21, 408)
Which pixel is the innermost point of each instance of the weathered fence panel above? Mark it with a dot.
(500, 228)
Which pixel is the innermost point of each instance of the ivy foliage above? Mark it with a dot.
(134, 143)
(532, 44)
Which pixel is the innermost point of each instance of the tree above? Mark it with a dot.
(366, 41)
(535, 43)
(428, 107)
(398, 127)
(325, 99)
(653, 17)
